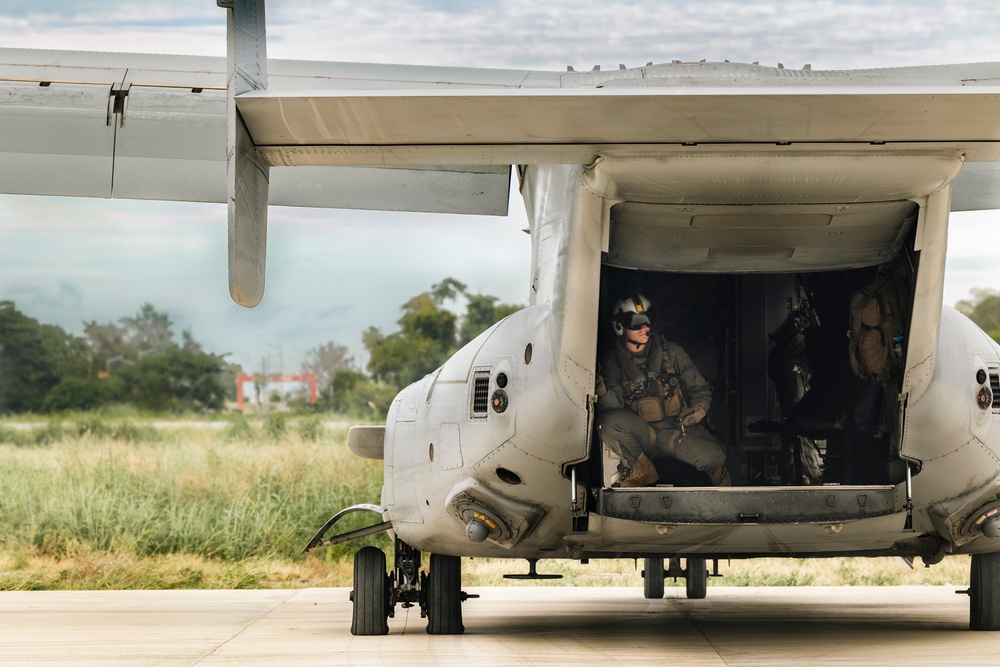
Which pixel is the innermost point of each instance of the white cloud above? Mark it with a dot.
(333, 273)
(530, 34)
(551, 35)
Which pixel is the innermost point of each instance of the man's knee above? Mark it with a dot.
(701, 449)
(622, 430)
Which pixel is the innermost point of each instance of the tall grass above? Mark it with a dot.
(250, 492)
(104, 504)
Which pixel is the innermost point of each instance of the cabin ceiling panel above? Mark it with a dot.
(772, 238)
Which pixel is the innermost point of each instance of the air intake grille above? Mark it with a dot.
(995, 388)
(480, 393)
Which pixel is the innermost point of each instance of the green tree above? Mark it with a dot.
(447, 289)
(176, 380)
(327, 361)
(227, 378)
(150, 369)
(189, 343)
(45, 369)
(426, 337)
(107, 344)
(429, 333)
(149, 330)
(34, 358)
(354, 393)
(984, 310)
(481, 312)
(75, 393)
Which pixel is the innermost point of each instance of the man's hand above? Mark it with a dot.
(600, 389)
(691, 415)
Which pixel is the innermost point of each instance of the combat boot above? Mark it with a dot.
(643, 473)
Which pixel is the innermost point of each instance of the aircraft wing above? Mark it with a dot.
(432, 139)
(142, 126)
(137, 126)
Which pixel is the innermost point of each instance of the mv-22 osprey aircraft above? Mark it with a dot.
(729, 195)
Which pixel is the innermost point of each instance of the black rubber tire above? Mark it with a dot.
(652, 578)
(444, 596)
(984, 592)
(370, 594)
(696, 578)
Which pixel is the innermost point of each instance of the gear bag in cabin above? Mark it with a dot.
(877, 320)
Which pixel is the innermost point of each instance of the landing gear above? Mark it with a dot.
(443, 596)
(652, 578)
(984, 592)
(376, 594)
(696, 577)
(371, 593)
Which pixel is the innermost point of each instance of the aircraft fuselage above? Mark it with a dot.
(504, 431)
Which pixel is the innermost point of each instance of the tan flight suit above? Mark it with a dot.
(634, 386)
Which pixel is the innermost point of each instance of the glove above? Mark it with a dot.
(691, 415)
(600, 389)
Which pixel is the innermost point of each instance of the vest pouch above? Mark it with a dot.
(650, 408)
(673, 404)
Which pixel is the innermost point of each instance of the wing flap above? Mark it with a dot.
(42, 146)
(171, 145)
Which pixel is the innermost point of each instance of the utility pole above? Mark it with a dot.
(281, 357)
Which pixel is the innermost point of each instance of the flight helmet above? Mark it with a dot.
(631, 312)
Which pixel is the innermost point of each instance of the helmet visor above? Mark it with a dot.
(636, 321)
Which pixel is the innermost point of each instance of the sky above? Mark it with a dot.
(333, 273)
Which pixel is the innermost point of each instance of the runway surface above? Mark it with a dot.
(515, 625)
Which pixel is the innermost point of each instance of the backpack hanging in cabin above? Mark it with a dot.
(876, 320)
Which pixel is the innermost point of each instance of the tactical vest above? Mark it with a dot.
(657, 394)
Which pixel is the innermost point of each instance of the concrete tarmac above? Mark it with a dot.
(515, 625)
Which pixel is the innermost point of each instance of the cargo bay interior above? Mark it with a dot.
(731, 324)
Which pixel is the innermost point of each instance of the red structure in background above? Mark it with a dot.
(301, 377)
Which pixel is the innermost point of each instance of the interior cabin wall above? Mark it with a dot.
(725, 323)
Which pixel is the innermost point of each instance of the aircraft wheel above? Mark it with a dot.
(984, 592)
(697, 578)
(444, 596)
(652, 578)
(370, 594)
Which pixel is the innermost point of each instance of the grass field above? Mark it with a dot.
(103, 504)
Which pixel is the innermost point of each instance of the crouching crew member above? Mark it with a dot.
(651, 399)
